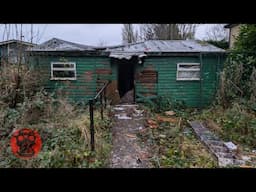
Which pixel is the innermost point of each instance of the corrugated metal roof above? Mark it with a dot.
(128, 55)
(167, 46)
(182, 46)
(55, 44)
(17, 41)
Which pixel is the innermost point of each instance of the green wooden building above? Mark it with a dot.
(184, 70)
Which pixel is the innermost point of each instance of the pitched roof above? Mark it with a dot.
(56, 44)
(17, 41)
(166, 46)
(182, 46)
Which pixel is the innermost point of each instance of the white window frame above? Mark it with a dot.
(63, 69)
(182, 69)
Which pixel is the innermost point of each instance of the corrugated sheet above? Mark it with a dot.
(142, 47)
(17, 41)
(168, 86)
(91, 73)
(61, 45)
(167, 46)
(126, 55)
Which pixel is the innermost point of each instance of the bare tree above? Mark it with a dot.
(30, 32)
(102, 43)
(147, 32)
(167, 31)
(129, 35)
(217, 32)
(187, 31)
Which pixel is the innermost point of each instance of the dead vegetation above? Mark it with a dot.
(63, 127)
(173, 143)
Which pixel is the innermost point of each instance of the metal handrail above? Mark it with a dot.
(101, 94)
(101, 90)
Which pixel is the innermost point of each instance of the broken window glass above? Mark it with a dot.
(67, 74)
(188, 71)
(63, 71)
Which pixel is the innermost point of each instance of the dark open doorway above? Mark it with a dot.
(126, 81)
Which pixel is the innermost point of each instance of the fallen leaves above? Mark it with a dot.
(166, 119)
(245, 166)
(212, 125)
(169, 113)
(152, 124)
(130, 135)
(144, 155)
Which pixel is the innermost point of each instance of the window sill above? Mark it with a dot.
(184, 79)
(62, 79)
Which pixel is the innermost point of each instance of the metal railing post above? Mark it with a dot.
(101, 106)
(91, 124)
(91, 104)
(105, 99)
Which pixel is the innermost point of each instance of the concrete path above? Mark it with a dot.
(128, 150)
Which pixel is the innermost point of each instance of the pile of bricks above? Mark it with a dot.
(216, 146)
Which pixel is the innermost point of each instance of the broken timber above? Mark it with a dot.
(215, 146)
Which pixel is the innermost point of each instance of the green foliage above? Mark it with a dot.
(165, 103)
(246, 40)
(175, 145)
(237, 123)
(239, 70)
(17, 83)
(223, 44)
(64, 130)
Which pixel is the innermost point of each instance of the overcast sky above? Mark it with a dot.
(90, 34)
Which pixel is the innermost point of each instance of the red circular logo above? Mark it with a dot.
(26, 143)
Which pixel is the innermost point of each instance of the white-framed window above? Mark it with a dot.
(63, 71)
(188, 71)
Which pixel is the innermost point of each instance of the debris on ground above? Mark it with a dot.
(166, 119)
(112, 93)
(246, 158)
(231, 146)
(162, 136)
(173, 148)
(123, 116)
(152, 124)
(169, 113)
(137, 113)
(128, 150)
(245, 166)
(119, 108)
(130, 135)
(128, 97)
(225, 152)
(212, 125)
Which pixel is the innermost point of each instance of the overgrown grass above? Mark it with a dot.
(64, 129)
(236, 123)
(175, 144)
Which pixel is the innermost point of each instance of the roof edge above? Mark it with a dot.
(230, 25)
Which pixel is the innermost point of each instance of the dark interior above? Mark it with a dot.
(125, 77)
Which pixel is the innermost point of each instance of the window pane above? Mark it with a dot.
(63, 65)
(64, 74)
(189, 66)
(189, 74)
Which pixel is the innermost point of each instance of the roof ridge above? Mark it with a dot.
(55, 38)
